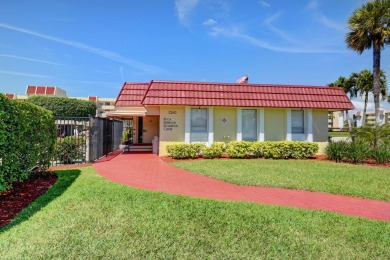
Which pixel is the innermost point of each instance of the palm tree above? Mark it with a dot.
(348, 88)
(363, 82)
(370, 27)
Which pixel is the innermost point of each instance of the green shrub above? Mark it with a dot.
(70, 149)
(27, 138)
(216, 150)
(258, 149)
(381, 155)
(277, 150)
(335, 151)
(240, 150)
(65, 107)
(185, 151)
(356, 152)
(303, 150)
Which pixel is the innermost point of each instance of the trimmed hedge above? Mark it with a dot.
(69, 149)
(65, 107)
(244, 149)
(27, 139)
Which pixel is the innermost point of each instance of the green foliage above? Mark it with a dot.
(289, 149)
(240, 150)
(356, 152)
(62, 106)
(27, 138)
(373, 136)
(126, 135)
(70, 149)
(335, 150)
(185, 151)
(381, 155)
(216, 150)
(244, 149)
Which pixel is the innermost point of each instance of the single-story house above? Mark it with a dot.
(188, 112)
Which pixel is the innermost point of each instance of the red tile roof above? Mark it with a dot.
(131, 94)
(92, 98)
(233, 94)
(31, 90)
(40, 90)
(10, 96)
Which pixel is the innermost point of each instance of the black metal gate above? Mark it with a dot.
(85, 139)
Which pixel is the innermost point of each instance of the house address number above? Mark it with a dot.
(169, 124)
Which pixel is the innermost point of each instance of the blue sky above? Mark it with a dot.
(92, 47)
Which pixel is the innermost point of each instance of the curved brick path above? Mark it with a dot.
(149, 172)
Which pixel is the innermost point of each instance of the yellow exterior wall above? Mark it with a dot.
(171, 126)
(320, 125)
(225, 123)
(274, 124)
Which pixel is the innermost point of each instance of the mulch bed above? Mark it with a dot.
(22, 194)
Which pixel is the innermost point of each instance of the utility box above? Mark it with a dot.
(155, 144)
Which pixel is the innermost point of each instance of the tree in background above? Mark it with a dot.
(370, 27)
(348, 87)
(362, 83)
(65, 107)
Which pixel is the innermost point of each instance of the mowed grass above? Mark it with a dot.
(86, 216)
(338, 178)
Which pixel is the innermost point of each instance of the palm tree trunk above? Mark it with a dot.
(365, 109)
(376, 73)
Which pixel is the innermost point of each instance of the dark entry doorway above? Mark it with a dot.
(140, 129)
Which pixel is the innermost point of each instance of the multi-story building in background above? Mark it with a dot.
(103, 105)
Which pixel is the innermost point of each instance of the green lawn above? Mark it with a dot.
(338, 178)
(86, 216)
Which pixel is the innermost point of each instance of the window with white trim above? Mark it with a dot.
(199, 125)
(249, 125)
(297, 122)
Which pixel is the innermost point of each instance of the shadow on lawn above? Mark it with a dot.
(65, 180)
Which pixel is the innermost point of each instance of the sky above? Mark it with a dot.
(90, 48)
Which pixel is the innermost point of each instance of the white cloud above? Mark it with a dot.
(358, 102)
(329, 23)
(28, 59)
(209, 22)
(82, 46)
(184, 8)
(282, 34)
(23, 74)
(234, 32)
(264, 3)
(312, 5)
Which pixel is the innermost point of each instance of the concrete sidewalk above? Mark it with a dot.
(149, 172)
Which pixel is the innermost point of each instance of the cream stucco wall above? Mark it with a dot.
(171, 126)
(274, 124)
(320, 125)
(225, 124)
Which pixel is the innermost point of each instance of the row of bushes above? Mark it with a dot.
(27, 138)
(357, 152)
(243, 149)
(65, 107)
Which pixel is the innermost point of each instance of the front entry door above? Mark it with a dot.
(140, 129)
(150, 128)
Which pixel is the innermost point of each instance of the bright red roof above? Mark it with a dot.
(10, 96)
(92, 98)
(40, 90)
(131, 94)
(233, 95)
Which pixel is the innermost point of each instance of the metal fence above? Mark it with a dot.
(85, 139)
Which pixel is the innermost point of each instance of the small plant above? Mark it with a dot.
(335, 151)
(381, 155)
(185, 151)
(216, 150)
(126, 135)
(70, 149)
(356, 151)
(240, 150)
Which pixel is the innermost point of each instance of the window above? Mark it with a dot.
(199, 120)
(249, 125)
(297, 122)
(199, 130)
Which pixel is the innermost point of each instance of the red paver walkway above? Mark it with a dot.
(149, 172)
